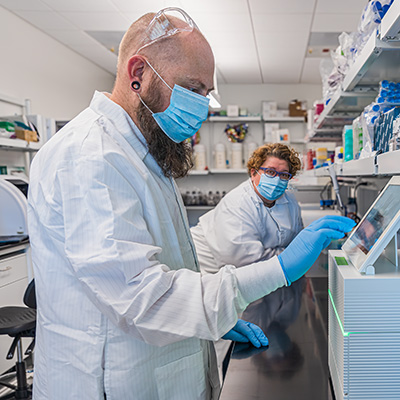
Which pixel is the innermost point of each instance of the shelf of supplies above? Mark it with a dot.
(344, 107)
(195, 172)
(19, 144)
(388, 163)
(199, 208)
(322, 171)
(378, 60)
(361, 167)
(299, 141)
(284, 119)
(228, 171)
(390, 26)
(255, 118)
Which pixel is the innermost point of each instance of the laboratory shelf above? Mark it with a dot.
(255, 118)
(390, 25)
(19, 144)
(343, 108)
(389, 163)
(299, 141)
(384, 164)
(364, 166)
(228, 171)
(284, 119)
(195, 172)
(378, 60)
(322, 171)
(199, 208)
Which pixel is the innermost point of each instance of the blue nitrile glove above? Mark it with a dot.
(245, 332)
(305, 248)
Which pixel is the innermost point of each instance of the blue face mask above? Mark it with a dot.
(185, 114)
(271, 188)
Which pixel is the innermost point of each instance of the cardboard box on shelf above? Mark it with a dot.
(24, 134)
(297, 108)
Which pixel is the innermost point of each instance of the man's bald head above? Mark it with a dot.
(166, 51)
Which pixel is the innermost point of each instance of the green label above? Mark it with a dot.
(341, 261)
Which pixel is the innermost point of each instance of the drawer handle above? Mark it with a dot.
(5, 269)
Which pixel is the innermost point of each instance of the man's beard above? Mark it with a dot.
(174, 159)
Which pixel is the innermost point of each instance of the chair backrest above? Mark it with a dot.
(30, 295)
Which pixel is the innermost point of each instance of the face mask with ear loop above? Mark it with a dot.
(271, 188)
(185, 114)
(187, 110)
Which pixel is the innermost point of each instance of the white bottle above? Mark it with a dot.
(200, 160)
(220, 156)
(251, 147)
(237, 156)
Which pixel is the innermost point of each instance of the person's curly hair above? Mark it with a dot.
(278, 150)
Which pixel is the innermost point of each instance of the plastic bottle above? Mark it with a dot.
(321, 155)
(237, 156)
(348, 142)
(217, 197)
(200, 160)
(220, 156)
(210, 199)
(251, 147)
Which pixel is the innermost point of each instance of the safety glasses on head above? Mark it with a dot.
(161, 27)
(271, 173)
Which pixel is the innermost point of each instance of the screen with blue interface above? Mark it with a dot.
(377, 220)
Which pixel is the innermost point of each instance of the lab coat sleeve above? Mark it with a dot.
(299, 220)
(112, 253)
(271, 252)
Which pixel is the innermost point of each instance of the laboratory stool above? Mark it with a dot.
(19, 322)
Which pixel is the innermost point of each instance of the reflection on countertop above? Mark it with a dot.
(295, 365)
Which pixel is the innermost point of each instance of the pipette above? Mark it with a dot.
(332, 174)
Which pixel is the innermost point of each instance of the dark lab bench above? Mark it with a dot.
(295, 365)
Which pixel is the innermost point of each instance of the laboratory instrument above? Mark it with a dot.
(13, 210)
(332, 174)
(364, 306)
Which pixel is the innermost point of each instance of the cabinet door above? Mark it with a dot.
(12, 295)
(12, 269)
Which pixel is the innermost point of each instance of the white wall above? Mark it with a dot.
(251, 96)
(59, 82)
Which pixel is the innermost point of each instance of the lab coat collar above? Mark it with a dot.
(282, 200)
(103, 105)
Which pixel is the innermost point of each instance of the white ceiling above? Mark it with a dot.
(254, 41)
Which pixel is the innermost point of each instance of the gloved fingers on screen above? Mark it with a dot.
(342, 224)
(327, 235)
(303, 251)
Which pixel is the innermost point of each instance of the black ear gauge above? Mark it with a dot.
(135, 85)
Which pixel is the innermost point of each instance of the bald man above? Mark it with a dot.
(123, 312)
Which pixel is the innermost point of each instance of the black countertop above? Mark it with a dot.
(7, 249)
(295, 365)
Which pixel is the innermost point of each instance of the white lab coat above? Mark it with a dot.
(241, 230)
(122, 308)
